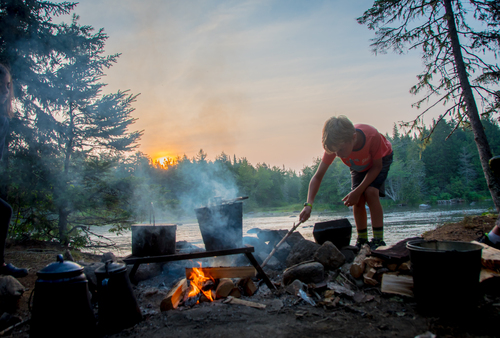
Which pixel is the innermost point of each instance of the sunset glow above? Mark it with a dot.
(253, 79)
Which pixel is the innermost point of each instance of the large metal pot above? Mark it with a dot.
(153, 240)
(118, 308)
(61, 302)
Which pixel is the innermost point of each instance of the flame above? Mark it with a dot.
(197, 279)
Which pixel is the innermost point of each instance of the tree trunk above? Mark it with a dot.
(482, 144)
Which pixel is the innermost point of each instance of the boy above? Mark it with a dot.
(369, 156)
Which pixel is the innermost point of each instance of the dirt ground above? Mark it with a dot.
(285, 315)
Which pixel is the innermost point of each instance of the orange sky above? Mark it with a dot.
(252, 78)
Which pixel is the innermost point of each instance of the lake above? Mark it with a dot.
(399, 223)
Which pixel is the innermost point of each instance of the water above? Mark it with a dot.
(399, 223)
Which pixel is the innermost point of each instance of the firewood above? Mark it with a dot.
(232, 300)
(374, 262)
(224, 288)
(490, 257)
(392, 267)
(371, 272)
(174, 296)
(235, 293)
(225, 272)
(406, 266)
(397, 284)
(248, 286)
(369, 280)
(487, 274)
(358, 266)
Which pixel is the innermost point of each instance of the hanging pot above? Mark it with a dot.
(61, 302)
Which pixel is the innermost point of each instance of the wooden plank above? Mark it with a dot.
(399, 285)
(225, 272)
(490, 258)
(174, 296)
(487, 274)
(180, 257)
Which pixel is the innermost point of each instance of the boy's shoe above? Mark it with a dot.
(485, 240)
(360, 242)
(375, 243)
(11, 270)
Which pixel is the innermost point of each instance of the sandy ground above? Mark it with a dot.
(285, 315)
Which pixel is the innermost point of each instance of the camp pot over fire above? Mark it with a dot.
(61, 302)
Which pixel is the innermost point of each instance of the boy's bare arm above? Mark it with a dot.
(354, 196)
(313, 190)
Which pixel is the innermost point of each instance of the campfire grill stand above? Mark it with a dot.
(137, 261)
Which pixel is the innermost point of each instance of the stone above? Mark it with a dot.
(294, 287)
(108, 256)
(10, 287)
(294, 238)
(271, 236)
(10, 293)
(274, 264)
(329, 256)
(302, 251)
(283, 251)
(349, 255)
(308, 272)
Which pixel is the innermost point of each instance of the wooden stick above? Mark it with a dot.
(280, 242)
(225, 272)
(232, 300)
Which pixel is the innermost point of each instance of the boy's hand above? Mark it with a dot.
(351, 198)
(305, 214)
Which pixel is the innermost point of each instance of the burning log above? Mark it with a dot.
(231, 300)
(174, 296)
(224, 272)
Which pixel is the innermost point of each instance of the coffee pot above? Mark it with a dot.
(61, 302)
(118, 308)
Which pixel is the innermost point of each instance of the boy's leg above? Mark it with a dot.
(376, 213)
(361, 219)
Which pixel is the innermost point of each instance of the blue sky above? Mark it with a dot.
(252, 78)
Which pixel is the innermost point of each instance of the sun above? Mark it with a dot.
(165, 161)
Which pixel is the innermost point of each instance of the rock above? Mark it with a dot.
(145, 272)
(329, 256)
(10, 293)
(294, 238)
(302, 251)
(294, 287)
(10, 287)
(308, 272)
(108, 256)
(349, 255)
(274, 264)
(271, 236)
(283, 251)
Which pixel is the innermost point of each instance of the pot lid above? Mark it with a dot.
(111, 267)
(60, 269)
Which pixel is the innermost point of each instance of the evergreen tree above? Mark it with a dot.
(452, 46)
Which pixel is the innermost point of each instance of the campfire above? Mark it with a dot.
(210, 284)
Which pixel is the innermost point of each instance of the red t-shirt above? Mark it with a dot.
(375, 146)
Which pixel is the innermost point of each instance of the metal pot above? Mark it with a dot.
(61, 302)
(118, 308)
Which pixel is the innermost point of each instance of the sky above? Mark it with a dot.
(250, 78)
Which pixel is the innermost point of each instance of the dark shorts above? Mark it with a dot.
(379, 182)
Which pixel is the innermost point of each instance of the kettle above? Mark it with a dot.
(61, 302)
(118, 308)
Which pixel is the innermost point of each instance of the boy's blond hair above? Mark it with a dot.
(336, 131)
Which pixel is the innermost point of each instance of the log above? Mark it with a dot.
(487, 274)
(490, 257)
(397, 284)
(235, 293)
(232, 300)
(224, 288)
(248, 286)
(374, 262)
(225, 272)
(174, 296)
(358, 266)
